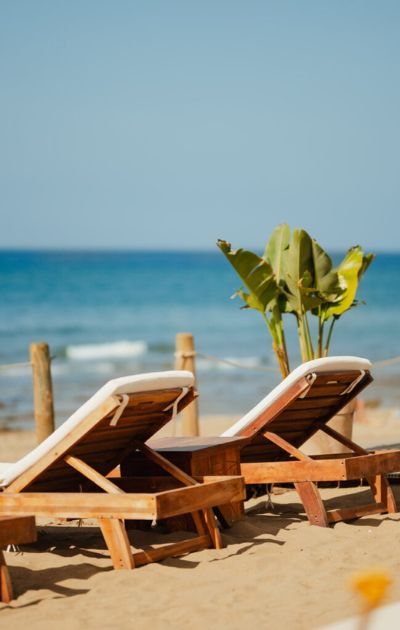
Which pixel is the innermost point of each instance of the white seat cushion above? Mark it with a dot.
(318, 365)
(124, 385)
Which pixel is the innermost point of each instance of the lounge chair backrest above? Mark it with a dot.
(294, 410)
(124, 410)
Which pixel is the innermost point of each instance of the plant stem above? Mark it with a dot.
(320, 334)
(301, 335)
(310, 348)
(328, 339)
(278, 343)
(284, 346)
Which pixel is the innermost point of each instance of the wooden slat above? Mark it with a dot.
(168, 551)
(279, 425)
(322, 391)
(344, 376)
(349, 513)
(296, 415)
(103, 446)
(381, 462)
(200, 497)
(313, 403)
(106, 484)
(286, 446)
(293, 471)
(127, 505)
(80, 505)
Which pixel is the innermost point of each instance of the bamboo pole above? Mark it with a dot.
(42, 390)
(185, 360)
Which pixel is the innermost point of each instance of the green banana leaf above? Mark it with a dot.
(350, 270)
(326, 280)
(277, 250)
(367, 260)
(256, 274)
(301, 294)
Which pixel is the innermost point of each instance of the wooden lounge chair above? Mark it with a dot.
(13, 531)
(66, 475)
(275, 429)
(296, 409)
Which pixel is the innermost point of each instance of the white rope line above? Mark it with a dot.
(8, 366)
(215, 359)
(383, 363)
(210, 357)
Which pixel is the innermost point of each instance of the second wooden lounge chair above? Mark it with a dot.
(294, 411)
(273, 432)
(66, 475)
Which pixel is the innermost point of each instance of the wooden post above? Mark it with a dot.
(185, 360)
(42, 390)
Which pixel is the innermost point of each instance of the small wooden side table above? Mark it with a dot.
(14, 530)
(196, 456)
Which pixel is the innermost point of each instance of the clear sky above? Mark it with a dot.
(165, 124)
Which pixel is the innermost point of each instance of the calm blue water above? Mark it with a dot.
(110, 314)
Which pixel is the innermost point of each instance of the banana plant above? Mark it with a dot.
(295, 275)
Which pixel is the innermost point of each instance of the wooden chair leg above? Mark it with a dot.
(117, 541)
(212, 528)
(383, 493)
(6, 591)
(312, 502)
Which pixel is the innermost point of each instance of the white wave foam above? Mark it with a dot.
(112, 350)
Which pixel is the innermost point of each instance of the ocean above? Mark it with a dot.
(109, 314)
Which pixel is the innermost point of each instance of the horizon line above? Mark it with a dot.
(153, 250)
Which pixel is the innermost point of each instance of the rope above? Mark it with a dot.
(8, 366)
(383, 363)
(210, 357)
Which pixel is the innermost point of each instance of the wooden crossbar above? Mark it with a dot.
(349, 513)
(286, 446)
(343, 440)
(93, 475)
(168, 551)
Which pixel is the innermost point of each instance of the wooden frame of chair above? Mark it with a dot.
(13, 531)
(70, 480)
(273, 454)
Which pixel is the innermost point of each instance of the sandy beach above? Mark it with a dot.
(275, 570)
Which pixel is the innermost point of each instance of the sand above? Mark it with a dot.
(275, 570)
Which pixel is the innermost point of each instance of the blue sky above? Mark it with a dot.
(170, 124)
